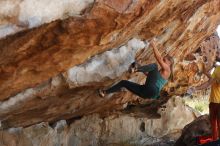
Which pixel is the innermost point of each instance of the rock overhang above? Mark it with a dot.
(37, 58)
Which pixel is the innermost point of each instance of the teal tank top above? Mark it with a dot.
(160, 82)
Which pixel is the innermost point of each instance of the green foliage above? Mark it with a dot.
(200, 107)
(199, 104)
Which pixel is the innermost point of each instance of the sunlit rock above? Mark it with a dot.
(117, 129)
(55, 55)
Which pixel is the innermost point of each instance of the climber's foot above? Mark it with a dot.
(102, 93)
(133, 67)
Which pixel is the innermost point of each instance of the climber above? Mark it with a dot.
(214, 105)
(155, 81)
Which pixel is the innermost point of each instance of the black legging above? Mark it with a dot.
(148, 90)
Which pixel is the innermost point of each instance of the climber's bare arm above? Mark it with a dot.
(158, 56)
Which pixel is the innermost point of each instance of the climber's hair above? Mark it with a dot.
(170, 58)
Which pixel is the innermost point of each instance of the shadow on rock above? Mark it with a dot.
(199, 127)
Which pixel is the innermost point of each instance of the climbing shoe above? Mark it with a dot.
(101, 93)
(133, 67)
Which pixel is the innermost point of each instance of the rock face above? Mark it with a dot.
(199, 127)
(120, 129)
(52, 69)
(189, 71)
(53, 62)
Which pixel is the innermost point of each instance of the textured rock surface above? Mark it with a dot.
(41, 79)
(17, 15)
(58, 53)
(189, 71)
(70, 94)
(33, 56)
(119, 129)
(199, 127)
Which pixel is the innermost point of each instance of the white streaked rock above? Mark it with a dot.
(110, 64)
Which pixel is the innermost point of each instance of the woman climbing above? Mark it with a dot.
(155, 81)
